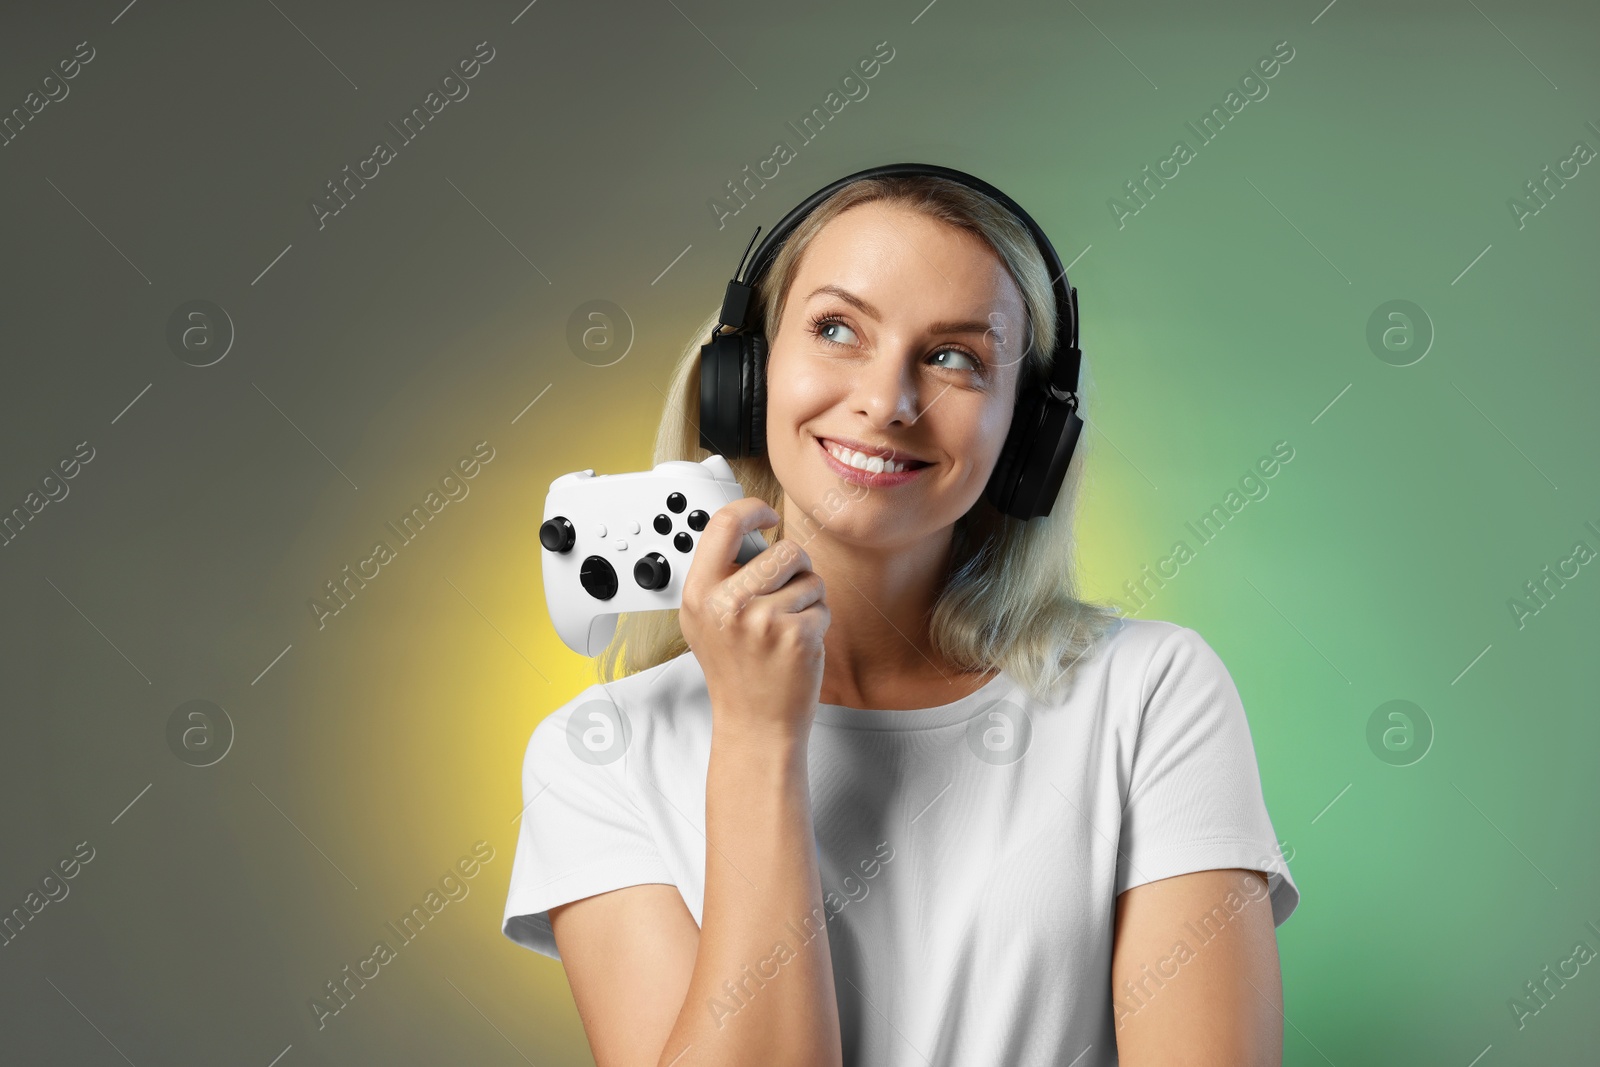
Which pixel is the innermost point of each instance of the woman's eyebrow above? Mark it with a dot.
(963, 326)
(848, 297)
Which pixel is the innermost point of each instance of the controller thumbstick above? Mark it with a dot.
(557, 534)
(652, 572)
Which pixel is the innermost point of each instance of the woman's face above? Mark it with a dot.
(901, 334)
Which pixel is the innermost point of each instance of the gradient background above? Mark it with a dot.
(369, 355)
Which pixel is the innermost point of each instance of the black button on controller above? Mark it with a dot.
(698, 520)
(557, 534)
(663, 524)
(683, 542)
(597, 578)
(652, 571)
(676, 503)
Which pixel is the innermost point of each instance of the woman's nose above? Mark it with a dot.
(889, 391)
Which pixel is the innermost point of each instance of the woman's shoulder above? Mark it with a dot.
(639, 709)
(1150, 634)
(1130, 638)
(1140, 652)
(1171, 671)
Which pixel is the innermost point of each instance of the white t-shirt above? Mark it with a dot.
(970, 854)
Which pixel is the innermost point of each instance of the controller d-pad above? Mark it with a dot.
(683, 542)
(663, 524)
(598, 578)
(697, 520)
(676, 502)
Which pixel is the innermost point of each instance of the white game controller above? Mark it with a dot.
(624, 542)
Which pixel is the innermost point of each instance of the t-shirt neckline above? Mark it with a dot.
(956, 711)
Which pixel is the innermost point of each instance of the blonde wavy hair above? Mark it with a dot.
(1009, 599)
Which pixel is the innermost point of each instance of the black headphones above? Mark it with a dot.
(1045, 424)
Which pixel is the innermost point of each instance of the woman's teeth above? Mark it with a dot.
(862, 461)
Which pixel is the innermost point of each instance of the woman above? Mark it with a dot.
(952, 814)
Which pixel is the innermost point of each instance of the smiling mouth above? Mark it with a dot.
(866, 461)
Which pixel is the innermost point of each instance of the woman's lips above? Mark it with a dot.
(881, 480)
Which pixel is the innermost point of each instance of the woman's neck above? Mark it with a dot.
(878, 648)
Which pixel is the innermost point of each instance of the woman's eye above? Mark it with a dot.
(834, 332)
(975, 364)
(830, 330)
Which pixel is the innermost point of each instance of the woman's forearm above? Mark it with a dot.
(762, 987)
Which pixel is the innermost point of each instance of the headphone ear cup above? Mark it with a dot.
(1003, 480)
(721, 409)
(1041, 472)
(754, 367)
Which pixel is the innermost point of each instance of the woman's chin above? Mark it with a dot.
(864, 524)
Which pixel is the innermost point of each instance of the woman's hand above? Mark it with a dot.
(757, 629)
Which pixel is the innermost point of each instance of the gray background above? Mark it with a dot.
(370, 355)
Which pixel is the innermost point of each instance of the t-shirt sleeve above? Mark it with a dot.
(581, 831)
(1194, 796)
